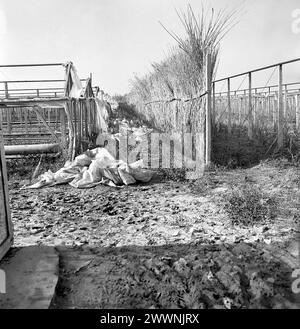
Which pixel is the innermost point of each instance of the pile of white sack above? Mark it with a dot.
(95, 167)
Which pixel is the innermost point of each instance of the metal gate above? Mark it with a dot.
(6, 232)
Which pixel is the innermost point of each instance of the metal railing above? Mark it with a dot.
(280, 93)
(57, 89)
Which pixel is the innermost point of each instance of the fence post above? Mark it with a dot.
(250, 114)
(280, 109)
(269, 104)
(297, 112)
(285, 104)
(229, 105)
(214, 103)
(208, 110)
(275, 105)
(241, 110)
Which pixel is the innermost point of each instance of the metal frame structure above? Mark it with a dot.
(48, 114)
(8, 241)
(277, 98)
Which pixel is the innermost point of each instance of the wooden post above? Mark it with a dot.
(49, 116)
(285, 104)
(269, 105)
(250, 114)
(208, 110)
(280, 109)
(254, 110)
(71, 148)
(78, 108)
(240, 110)
(275, 105)
(74, 115)
(86, 130)
(62, 114)
(56, 119)
(19, 111)
(214, 103)
(8, 115)
(297, 112)
(229, 105)
(245, 105)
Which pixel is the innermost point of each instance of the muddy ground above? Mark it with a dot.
(167, 244)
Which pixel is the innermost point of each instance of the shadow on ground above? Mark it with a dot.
(176, 277)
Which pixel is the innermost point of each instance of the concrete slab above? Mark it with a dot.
(31, 278)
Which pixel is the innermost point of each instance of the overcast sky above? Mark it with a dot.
(116, 38)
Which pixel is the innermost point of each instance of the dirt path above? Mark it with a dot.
(188, 219)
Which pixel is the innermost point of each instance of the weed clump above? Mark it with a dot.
(247, 206)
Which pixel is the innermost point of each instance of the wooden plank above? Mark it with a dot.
(208, 110)
(81, 115)
(49, 116)
(86, 119)
(79, 118)
(254, 110)
(94, 111)
(229, 106)
(280, 110)
(63, 127)
(275, 104)
(8, 116)
(26, 120)
(270, 115)
(88, 109)
(285, 103)
(240, 110)
(75, 122)
(250, 114)
(71, 148)
(297, 103)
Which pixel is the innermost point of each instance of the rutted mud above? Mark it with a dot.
(166, 244)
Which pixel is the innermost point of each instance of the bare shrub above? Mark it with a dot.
(246, 205)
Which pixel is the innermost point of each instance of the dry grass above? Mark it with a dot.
(247, 206)
(161, 95)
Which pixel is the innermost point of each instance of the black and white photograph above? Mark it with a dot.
(149, 158)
